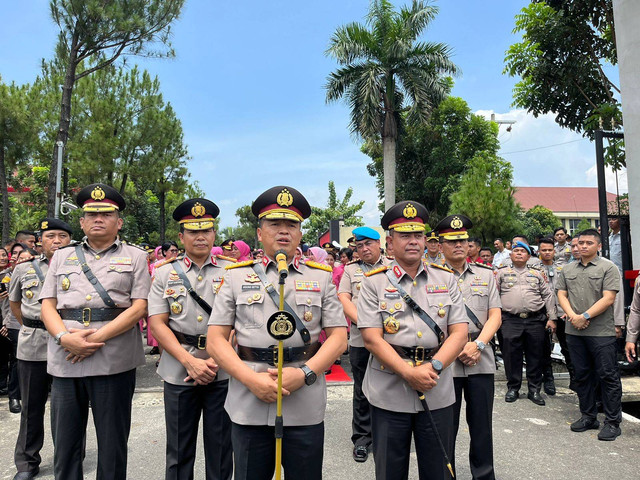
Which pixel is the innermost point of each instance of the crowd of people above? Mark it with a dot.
(424, 317)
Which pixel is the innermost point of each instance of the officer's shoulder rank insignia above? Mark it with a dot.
(384, 268)
(25, 260)
(228, 259)
(441, 267)
(166, 262)
(319, 266)
(352, 262)
(482, 265)
(239, 264)
(502, 266)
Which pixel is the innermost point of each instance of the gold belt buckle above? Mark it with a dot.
(275, 354)
(202, 342)
(523, 315)
(86, 316)
(418, 356)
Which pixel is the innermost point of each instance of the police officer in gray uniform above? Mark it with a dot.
(180, 301)
(368, 248)
(473, 370)
(413, 322)
(245, 301)
(24, 289)
(93, 296)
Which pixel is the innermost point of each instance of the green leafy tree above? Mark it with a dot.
(98, 33)
(247, 225)
(387, 76)
(336, 209)
(583, 225)
(565, 44)
(432, 156)
(17, 134)
(539, 220)
(486, 196)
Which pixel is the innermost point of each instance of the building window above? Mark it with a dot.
(597, 222)
(573, 225)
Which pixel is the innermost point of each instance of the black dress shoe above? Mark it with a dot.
(536, 398)
(549, 387)
(26, 475)
(585, 424)
(360, 453)
(511, 396)
(14, 405)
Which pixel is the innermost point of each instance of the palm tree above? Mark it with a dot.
(387, 76)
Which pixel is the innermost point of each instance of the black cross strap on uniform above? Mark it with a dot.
(108, 301)
(271, 290)
(38, 270)
(183, 276)
(424, 316)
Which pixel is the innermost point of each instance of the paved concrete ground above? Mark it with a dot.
(531, 442)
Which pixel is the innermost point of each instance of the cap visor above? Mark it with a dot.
(200, 225)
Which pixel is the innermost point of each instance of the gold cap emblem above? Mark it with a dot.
(409, 211)
(44, 225)
(456, 223)
(285, 199)
(198, 210)
(98, 194)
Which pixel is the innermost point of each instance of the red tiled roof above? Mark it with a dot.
(560, 199)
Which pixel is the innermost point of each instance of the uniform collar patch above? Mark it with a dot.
(397, 271)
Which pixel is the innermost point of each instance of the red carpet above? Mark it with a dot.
(338, 375)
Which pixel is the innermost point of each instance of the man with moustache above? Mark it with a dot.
(368, 248)
(93, 296)
(245, 301)
(26, 284)
(473, 370)
(413, 322)
(180, 301)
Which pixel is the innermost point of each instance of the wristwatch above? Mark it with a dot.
(586, 316)
(437, 365)
(480, 345)
(59, 336)
(310, 376)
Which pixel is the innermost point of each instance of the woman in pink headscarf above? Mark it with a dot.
(244, 251)
(318, 255)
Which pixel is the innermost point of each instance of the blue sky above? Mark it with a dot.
(248, 80)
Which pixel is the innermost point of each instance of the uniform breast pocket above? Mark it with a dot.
(177, 300)
(439, 305)
(249, 309)
(478, 297)
(119, 277)
(30, 285)
(595, 282)
(309, 306)
(68, 279)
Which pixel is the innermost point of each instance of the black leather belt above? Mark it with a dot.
(88, 315)
(474, 336)
(32, 323)
(416, 354)
(198, 341)
(526, 314)
(270, 355)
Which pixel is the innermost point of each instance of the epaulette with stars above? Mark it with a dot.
(384, 268)
(319, 266)
(25, 260)
(482, 265)
(246, 263)
(228, 259)
(441, 267)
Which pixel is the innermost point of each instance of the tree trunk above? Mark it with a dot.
(123, 183)
(63, 124)
(5, 198)
(163, 226)
(389, 167)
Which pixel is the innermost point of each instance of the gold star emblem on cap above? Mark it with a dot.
(285, 199)
(98, 194)
(44, 225)
(409, 211)
(198, 210)
(456, 223)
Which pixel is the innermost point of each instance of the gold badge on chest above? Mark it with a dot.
(308, 316)
(391, 325)
(176, 308)
(66, 283)
(28, 294)
(442, 312)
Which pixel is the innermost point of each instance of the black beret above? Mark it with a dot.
(50, 223)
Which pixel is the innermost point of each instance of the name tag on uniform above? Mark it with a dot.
(250, 287)
(307, 286)
(391, 295)
(479, 284)
(437, 289)
(120, 261)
